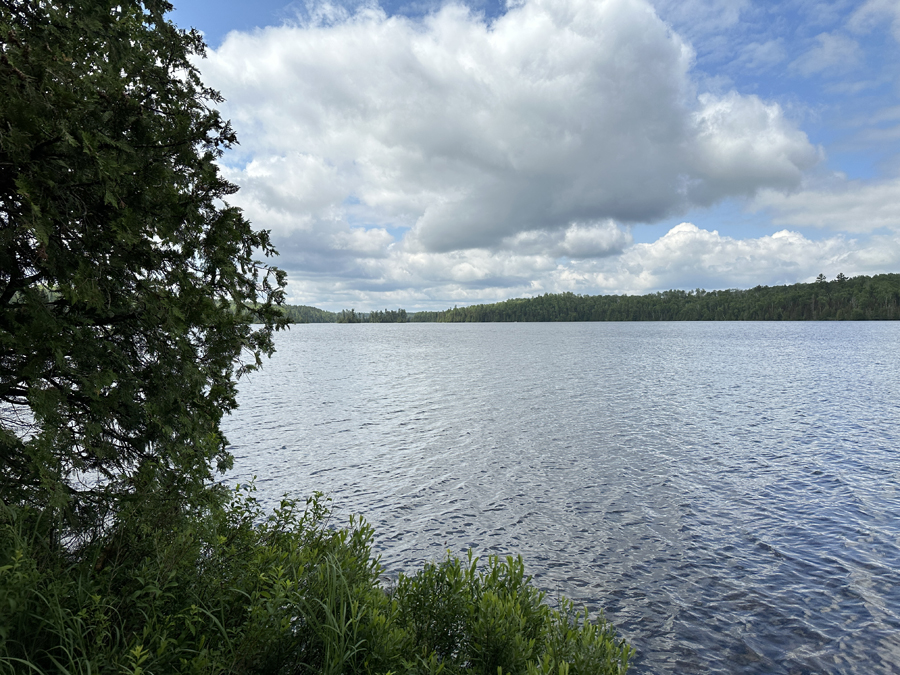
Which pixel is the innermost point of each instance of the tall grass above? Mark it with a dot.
(233, 590)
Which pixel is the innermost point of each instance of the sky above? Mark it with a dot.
(423, 154)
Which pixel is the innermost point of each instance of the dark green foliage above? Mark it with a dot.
(377, 316)
(387, 316)
(350, 316)
(226, 590)
(306, 314)
(494, 620)
(229, 590)
(120, 265)
(857, 299)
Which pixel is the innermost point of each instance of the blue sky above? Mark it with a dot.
(421, 154)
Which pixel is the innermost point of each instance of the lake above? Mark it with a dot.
(729, 493)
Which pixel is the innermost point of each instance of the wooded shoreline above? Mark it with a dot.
(860, 298)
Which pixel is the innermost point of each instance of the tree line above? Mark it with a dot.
(856, 299)
(306, 314)
(860, 298)
(376, 316)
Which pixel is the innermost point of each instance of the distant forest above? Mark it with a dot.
(306, 314)
(859, 298)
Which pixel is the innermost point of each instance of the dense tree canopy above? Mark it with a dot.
(858, 299)
(844, 298)
(307, 314)
(121, 265)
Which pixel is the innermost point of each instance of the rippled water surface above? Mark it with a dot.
(729, 493)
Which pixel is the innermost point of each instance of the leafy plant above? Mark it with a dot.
(233, 590)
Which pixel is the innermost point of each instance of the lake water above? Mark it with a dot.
(729, 493)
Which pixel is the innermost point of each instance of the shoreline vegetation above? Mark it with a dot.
(860, 298)
(233, 589)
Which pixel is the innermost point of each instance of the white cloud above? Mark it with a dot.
(363, 242)
(761, 55)
(578, 241)
(288, 193)
(685, 257)
(742, 144)
(833, 54)
(688, 256)
(426, 162)
(702, 17)
(711, 260)
(888, 114)
(473, 135)
(873, 12)
(848, 206)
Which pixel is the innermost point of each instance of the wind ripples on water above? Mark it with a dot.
(726, 492)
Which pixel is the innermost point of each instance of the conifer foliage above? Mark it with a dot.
(123, 270)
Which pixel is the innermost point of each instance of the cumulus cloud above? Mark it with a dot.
(716, 261)
(685, 257)
(422, 162)
(475, 135)
(689, 256)
(579, 240)
(712, 260)
(848, 206)
(743, 144)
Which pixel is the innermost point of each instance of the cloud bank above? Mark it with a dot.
(842, 205)
(453, 158)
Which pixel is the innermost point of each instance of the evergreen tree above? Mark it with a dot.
(127, 284)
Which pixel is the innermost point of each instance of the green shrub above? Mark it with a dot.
(496, 621)
(233, 590)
